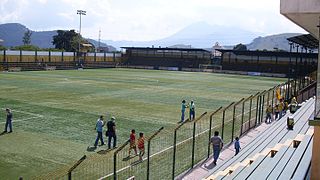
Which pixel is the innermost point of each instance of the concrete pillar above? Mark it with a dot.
(315, 163)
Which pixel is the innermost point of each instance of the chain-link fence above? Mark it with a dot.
(171, 152)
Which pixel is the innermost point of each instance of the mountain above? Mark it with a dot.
(278, 41)
(12, 34)
(199, 35)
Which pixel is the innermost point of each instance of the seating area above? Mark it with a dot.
(277, 153)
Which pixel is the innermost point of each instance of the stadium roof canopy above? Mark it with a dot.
(305, 40)
(172, 49)
(267, 53)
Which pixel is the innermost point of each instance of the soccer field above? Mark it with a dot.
(55, 111)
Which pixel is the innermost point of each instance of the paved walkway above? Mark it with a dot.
(203, 169)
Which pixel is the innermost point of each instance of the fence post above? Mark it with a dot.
(250, 106)
(35, 55)
(262, 108)
(223, 117)
(149, 146)
(115, 159)
(175, 147)
(75, 166)
(20, 56)
(194, 138)
(242, 113)
(234, 117)
(49, 56)
(4, 56)
(210, 127)
(257, 109)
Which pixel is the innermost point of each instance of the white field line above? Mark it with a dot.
(170, 147)
(25, 112)
(19, 120)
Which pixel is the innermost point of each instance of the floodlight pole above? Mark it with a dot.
(80, 12)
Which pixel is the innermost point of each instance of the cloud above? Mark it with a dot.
(145, 19)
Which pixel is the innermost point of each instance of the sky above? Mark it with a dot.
(143, 20)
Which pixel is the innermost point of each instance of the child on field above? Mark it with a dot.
(141, 146)
(237, 145)
(133, 142)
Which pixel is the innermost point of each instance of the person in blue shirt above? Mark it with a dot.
(183, 109)
(237, 145)
(99, 128)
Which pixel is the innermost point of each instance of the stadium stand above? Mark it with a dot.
(275, 153)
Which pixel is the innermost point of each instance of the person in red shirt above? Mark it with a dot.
(133, 142)
(141, 146)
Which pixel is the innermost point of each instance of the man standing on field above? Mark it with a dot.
(8, 121)
(111, 132)
(99, 129)
(183, 109)
(192, 111)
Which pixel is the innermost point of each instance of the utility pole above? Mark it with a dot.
(99, 39)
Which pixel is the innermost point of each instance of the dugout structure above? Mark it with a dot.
(289, 63)
(176, 58)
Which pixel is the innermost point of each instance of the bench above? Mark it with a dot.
(268, 138)
(14, 69)
(50, 68)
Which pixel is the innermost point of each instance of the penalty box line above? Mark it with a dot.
(25, 112)
(19, 120)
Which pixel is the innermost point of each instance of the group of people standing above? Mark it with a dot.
(192, 110)
(110, 133)
(279, 110)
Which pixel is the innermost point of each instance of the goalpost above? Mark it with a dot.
(209, 67)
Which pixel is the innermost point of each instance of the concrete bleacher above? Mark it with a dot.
(275, 153)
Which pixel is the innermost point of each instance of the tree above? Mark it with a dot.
(26, 39)
(240, 47)
(68, 40)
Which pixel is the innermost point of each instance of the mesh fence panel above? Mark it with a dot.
(231, 121)
(227, 125)
(161, 155)
(202, 138)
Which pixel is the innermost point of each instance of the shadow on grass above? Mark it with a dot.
(128, 158)
(3, 133)
(91, 148)
(105, 151)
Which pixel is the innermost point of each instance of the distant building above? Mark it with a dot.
(1, 42)
(166, 57)
(215, 51)
(106, 49)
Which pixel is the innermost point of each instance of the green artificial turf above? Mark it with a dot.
(56, 111)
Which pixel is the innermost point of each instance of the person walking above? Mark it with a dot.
(141, 146)
(99, 128)
(183, 109)
(132, 141)
(217, 143)
(269, 114)
(8, 121)
(237, 145)
(111, 132)
(192, 111)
